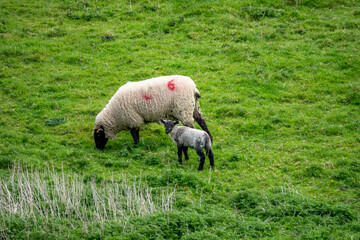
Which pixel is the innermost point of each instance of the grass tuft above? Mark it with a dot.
(55, 121)
(29, 195)
(285, 202)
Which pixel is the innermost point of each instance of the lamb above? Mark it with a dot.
(184, 137)
(136, 103)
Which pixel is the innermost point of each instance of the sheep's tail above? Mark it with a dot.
(197, 94)
(198, 116)
(197, 104)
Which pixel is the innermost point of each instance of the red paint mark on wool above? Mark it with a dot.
(171, 85)
(146, 97)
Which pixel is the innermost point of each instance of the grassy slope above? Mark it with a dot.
(280, 91)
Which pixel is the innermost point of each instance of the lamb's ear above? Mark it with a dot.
(161, 121)
(177, 122)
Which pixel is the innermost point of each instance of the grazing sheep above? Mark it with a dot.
(185, 137)
(136, 103)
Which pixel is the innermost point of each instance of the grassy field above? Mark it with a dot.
(280, 93)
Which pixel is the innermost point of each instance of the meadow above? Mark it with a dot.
(280, 91)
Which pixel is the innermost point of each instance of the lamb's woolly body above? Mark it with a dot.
(190, 137)
(136, 103)
(184, 137)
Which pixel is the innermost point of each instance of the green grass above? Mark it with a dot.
(280, 93)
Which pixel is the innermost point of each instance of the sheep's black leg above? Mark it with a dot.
(211, 158)
(180, 149)
(185, 150)
(201, 154)
(201, 121)
(135, 135)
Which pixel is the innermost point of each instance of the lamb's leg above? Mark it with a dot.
(185, 150)
(201, 121)
(201, 154)
(180, 149)
(211, 158)
(135, 135)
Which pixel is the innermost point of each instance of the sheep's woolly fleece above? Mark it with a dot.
(136, 103)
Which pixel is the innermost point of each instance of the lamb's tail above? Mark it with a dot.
(208, 145)
(209, 151)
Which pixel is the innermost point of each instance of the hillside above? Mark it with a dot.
(280, 91)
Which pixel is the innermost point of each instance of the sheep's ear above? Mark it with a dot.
(97, 129)
(161, 121)
(177, 122)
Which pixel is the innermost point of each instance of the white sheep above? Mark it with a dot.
(136, 103)
(184, 137)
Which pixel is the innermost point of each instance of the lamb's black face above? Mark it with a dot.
(99, 136)
(169, 125)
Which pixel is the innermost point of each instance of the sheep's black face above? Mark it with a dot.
(99, 136)
(169, 125)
